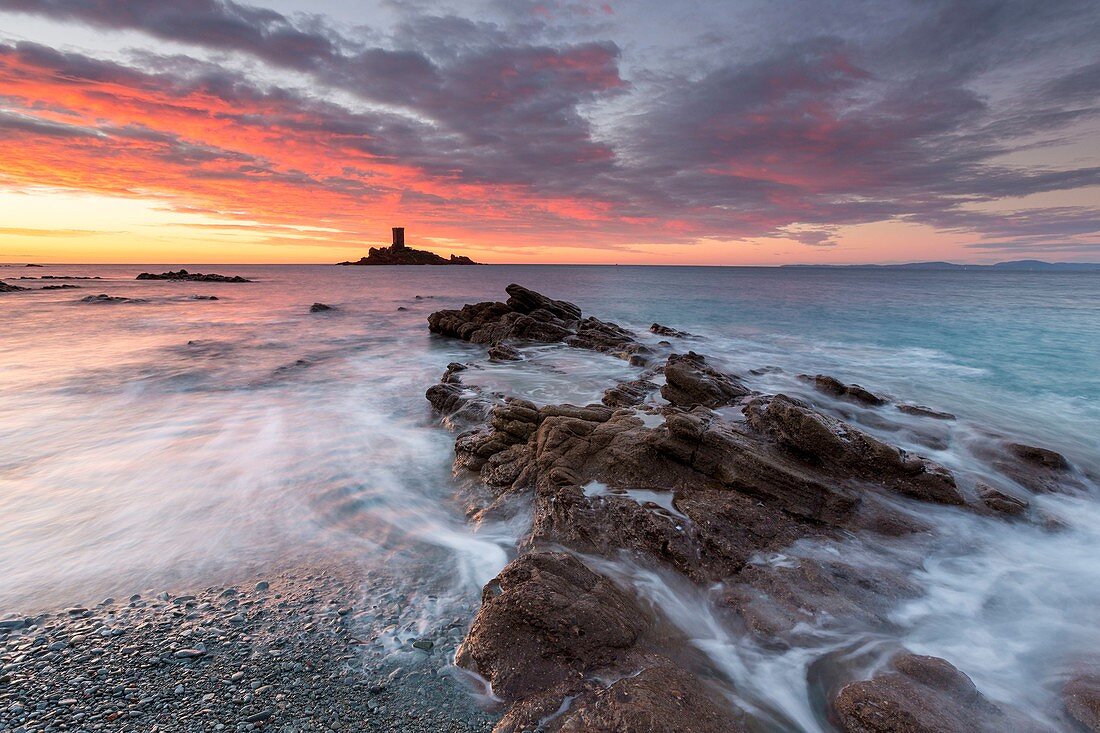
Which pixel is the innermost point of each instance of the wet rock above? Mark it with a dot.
(835, 388)
(320, 308)
(999, 501)
(1081, 696)
(628, 394)
(922, 411)
(525, 300)
(184, 275)
(690, 381)
(503, 352)
(544, 621)
(65, 286)
(659, 699)
(922, 695)
(839, 448)
(660, 330)
(774, 600)
(8, 288)
(532, 316)
(1037, 469)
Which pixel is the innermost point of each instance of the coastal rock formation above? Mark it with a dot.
(320, 308)
(700, 483)
(184, 275)
(7, 288)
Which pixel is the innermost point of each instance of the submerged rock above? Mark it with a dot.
(104, 298)
(320, 308)
(660, 330)
(8, 288)
(835, 388)
(503, 352)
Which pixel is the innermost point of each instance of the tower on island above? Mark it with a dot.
(399, 237)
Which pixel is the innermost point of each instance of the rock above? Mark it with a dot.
(184, 275)
(628, 394)
(527, 301)
(104, 298)
(690, 381)
(659, 699)
(65, 286)
(775, 600)
(423, 644)
(1081, 696)
(544, 621)
(262, 585)
(660, 330)
(1037, 469)
(188, 653)
(1000, 501)
(532, 316)
(922, 695)
(503, 352)
(922, 411)
(402, 308)
(835, 388)
(320, 308)
(8, 288)
(838, 448)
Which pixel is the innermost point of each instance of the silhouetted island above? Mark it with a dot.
(398, 254)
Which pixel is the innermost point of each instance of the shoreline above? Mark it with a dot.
(294, 649)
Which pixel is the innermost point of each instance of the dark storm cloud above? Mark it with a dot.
(838, 120)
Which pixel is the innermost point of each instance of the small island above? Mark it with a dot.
(398, 254)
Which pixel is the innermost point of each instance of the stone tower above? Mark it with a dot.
(399, 237)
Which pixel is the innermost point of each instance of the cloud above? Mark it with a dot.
(523, 122)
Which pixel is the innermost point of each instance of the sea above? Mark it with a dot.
(173, 440)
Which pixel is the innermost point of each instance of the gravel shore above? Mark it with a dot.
(307, 649)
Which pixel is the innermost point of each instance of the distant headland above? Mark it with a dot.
(1014, 265)
(398, 254)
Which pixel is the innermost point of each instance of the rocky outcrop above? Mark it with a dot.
(184, 275)
(8, 288)
(703, 484)
(531, 316)
(922, 695)
(320, 308)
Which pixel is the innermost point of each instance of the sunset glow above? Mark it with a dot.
(536, 132)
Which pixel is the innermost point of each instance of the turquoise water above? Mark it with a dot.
(158, 443)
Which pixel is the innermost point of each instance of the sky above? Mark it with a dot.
(739, 132)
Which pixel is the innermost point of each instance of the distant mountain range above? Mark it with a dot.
(1015, 265)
